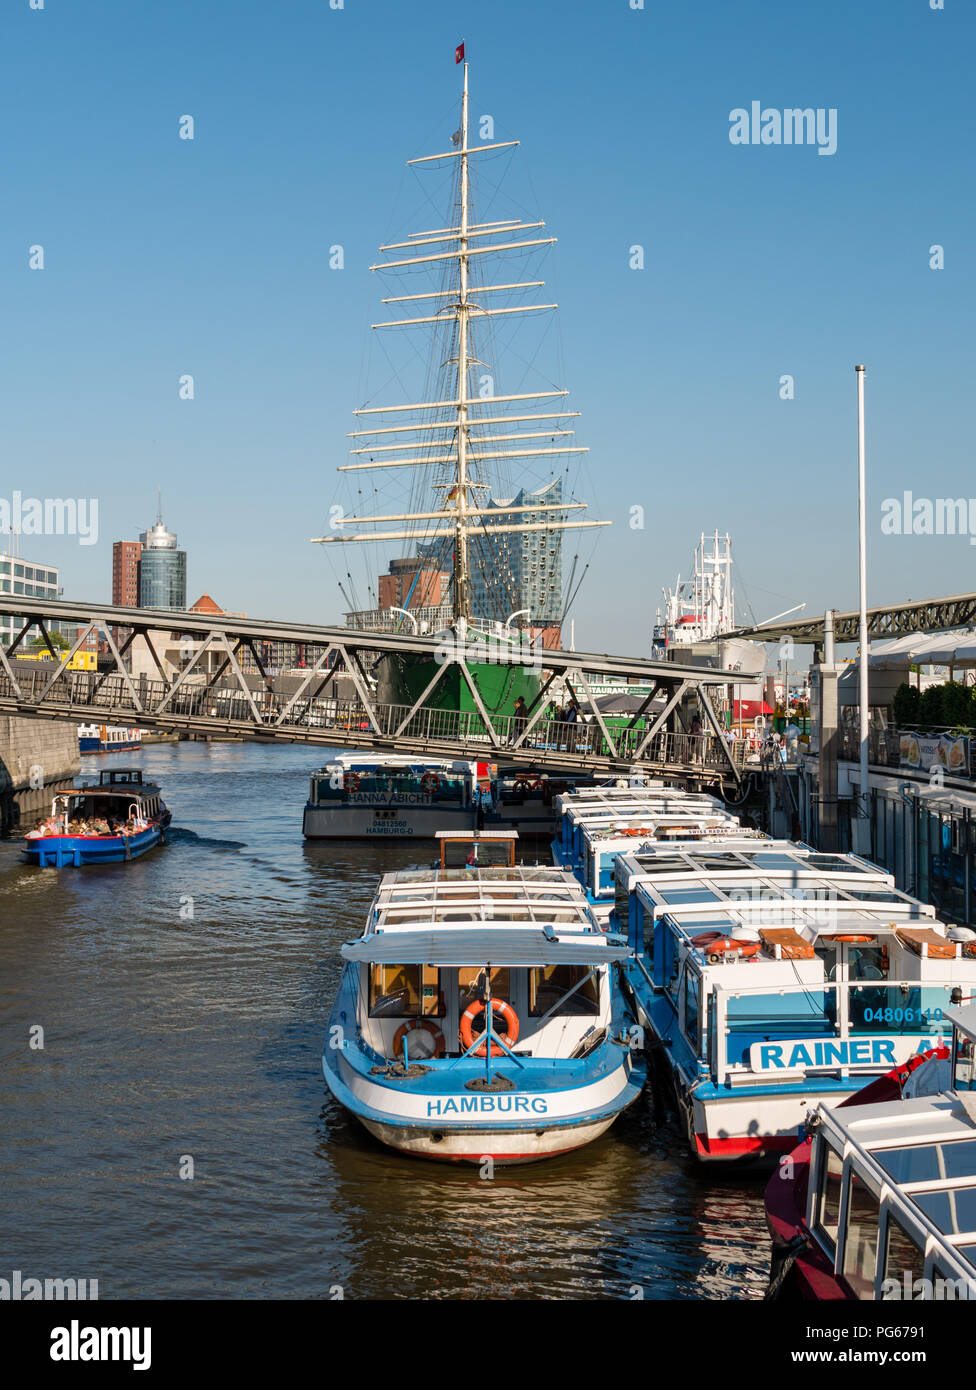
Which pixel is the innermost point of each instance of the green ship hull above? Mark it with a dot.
(402, 680)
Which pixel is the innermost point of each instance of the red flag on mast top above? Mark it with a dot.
(459, 53)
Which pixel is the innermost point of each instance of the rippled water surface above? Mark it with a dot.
(169, 1035)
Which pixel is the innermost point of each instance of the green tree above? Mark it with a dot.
(905, 705)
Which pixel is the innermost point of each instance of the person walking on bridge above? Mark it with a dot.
(521, 715)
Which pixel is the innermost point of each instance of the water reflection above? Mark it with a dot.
(185, 999)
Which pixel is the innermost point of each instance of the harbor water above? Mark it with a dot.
(183, 1000)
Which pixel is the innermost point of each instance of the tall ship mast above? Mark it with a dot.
(454, 439)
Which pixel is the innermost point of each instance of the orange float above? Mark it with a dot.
(475, 1010)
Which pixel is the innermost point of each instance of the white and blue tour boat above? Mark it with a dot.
(117, 818)
(480, 1016)
(359, 796)
(772, 978)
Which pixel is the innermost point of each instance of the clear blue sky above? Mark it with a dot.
(210, 257)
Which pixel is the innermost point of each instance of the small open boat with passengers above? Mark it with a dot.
(117, 818)
(480, 1015)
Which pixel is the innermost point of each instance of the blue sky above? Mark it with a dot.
(210, 257)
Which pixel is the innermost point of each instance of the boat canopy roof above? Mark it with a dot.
(919, 1156)
(609, 803)
(964, 1019)
(775, 883)
(394, 762)
(484, 945)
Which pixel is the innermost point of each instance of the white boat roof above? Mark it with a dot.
(721, 886)
(368, 762)
(476, 836)
(920, 1155)
(610, 800)
(506, 916)
(691, 826)
(964, 1018)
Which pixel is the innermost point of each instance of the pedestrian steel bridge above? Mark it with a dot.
(308, 709)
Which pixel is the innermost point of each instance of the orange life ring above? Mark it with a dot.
(715, 946)
(429, 783)
(854, 937)
(634, 830)
(411, 1026)
(475, 1010)
(350, 782)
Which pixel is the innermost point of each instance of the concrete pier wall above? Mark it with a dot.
(36, 757)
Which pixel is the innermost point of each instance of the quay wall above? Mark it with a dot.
(42, 751)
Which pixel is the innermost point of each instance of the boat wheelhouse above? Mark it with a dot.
(117, 818)
(480, 1015)
(776, 977)
(879, 1201)
(393, 797)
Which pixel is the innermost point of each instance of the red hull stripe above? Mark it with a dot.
(731, 1148)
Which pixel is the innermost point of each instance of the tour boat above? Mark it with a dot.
(107, 738)
(879, 1200)
(480, 1015)
(117, 818)
(391, 797)
(599, 824)
(774, 977)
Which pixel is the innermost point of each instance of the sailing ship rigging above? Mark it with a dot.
(456, 439)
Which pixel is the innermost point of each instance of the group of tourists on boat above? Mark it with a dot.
(96, 825)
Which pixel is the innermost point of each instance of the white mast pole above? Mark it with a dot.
(863, 821)
(462, 605)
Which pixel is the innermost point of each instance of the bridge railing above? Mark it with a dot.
(226, 706)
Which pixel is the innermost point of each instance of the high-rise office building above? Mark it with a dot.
(33, 580)
(162, 569)
(125, 573)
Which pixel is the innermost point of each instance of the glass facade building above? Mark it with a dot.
(19, 576)
(162, 570)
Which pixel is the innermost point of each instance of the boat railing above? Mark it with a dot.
(742, 1021)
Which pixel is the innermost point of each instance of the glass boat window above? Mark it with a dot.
(472, 982)
(953, 1210)
(962, 1062)
(691, 1007)
(689, 895)
(835, 863)
(405, 991)
(549, 983)
(831, 1169)
(861, 1244)
(902, 1256)
(929, 1162)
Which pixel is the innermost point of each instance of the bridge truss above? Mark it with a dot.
(224, 702)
